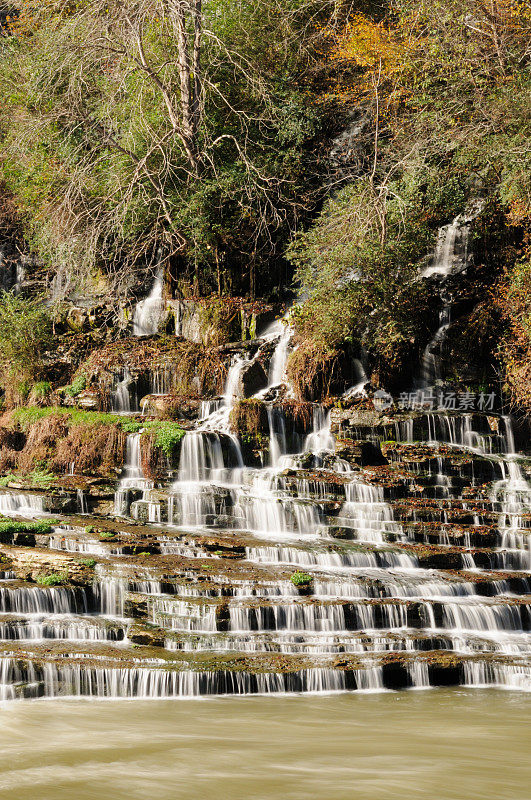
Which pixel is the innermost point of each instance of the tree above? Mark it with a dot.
(442, 92)
(144, 127)
(24, 331)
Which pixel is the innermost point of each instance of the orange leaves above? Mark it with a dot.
(32, 15)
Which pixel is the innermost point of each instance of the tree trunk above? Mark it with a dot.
(181, 12)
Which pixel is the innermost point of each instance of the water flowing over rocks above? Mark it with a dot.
(287, 547)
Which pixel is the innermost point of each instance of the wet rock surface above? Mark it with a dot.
(258, 544)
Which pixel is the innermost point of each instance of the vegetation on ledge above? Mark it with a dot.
(45, 442)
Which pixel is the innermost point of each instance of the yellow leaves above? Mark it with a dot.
(519, 212)
(371, 45)
(32, 15)
(512, 11)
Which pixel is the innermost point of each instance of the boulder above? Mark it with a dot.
(88, 399)
(253, 379)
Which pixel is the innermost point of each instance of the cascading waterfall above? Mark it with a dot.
(82, 504)
(277, 435)
(149, 312)
(202, 468)
(133, 475)
(210, 457)
(406, 609)
(311, 556)
(78, 680)
(21, 505)
(320, 439)
(123, 401)
(366, 513)
(430, 370)
(277, 367)
(512, 495)
(53, 600)
(450, 257)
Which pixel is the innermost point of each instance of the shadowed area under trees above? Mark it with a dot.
(251, 149)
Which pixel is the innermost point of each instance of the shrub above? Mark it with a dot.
(301, 579)
(14, 526)
(40, 477)
(248, 417)
(42, 388)
(168, 435)
(56, 437)
(36, 478)
(515, 350)
(95, 449)
(218, 321)
(311, 370)
(25, 331)
(52, 580)
(77, 386)
(87, 562)
(40, 393)
(197, 370)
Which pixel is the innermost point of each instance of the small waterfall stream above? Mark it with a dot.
(123, 400)
(133, 475)
(21, 505)
(148, 312)
(451, 257)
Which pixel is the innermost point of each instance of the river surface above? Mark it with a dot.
(435, 745)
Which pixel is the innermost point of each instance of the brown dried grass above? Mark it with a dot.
(312, 370)
(197, 370)
(94, 449)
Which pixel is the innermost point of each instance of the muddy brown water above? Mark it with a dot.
(434, 745)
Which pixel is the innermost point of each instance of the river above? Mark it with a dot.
(442, 744)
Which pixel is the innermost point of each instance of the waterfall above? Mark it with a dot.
(109, 592)
(367, 514)
(451, 249)
(451, 256)
(54, 679)
(82, 506)
(512, 496)
(315, 573)
(122, 400)
(277, 367)
(53, 600)
(215, 415)
(22, 505)
(201, 457)
(232, 387)
(202, 467)
(277, 435)
(361, 380)
(281, 331)
(430, 368)
(149, 312)
(76, 629)
(133, 475)
(320, 439)
(210, 456)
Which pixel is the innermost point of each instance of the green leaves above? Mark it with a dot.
(93, 141)
(301, 579)
(167, 435)
(25, 329)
